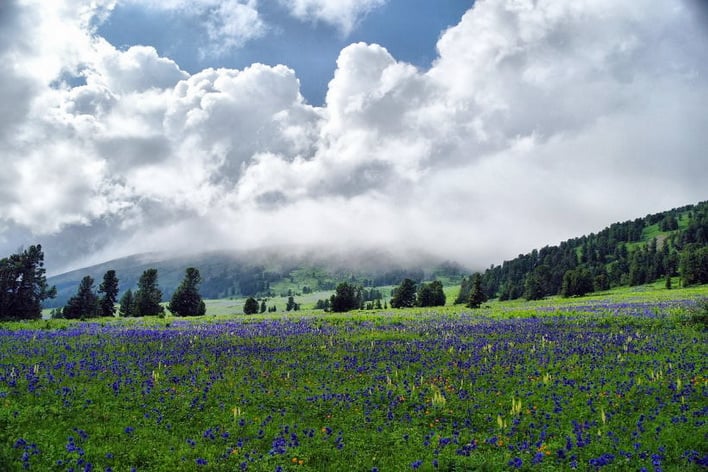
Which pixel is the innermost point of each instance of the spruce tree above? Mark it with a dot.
(127, 305)
(23, 285)
(477, 295)
(84, 304)
(464, 295)
(186, 300)
(431, 294)
(346, 297)
(148, 296)
(405, 295)
(251, 306)
(109, 289)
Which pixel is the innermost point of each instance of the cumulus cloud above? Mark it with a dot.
(229, 24)
(538, 121)
(343, 14)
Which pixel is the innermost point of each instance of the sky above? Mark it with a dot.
(473, 131)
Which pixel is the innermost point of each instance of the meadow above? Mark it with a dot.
(617, 381)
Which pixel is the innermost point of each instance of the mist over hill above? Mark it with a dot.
(633, 252)
(264, 272)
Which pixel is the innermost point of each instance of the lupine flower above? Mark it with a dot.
(516, 462)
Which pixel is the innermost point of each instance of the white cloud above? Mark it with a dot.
(229, 24)
(343, 14)
(135, 70)
(539, 121)
(232, 23)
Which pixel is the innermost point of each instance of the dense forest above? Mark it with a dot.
(662, 245)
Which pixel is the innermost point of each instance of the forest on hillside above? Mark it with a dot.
(661, 245)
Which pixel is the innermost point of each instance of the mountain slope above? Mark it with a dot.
(629, 253)
(265, 272)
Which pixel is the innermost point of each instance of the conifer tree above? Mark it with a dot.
(464, 295)
(186, 301)
(84, 304)
(405, 295)
(23, 285)
(251, 306)
(127, 305)
(148, 296)
(346, 297)
(477, 295)
(109, 289)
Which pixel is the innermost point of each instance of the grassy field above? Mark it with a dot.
(617, 381)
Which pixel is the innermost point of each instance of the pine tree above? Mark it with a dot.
(291, 305)
(263, 306)
(346, 297)
(186, 301)
(694, 265)
(84, 304)
(405, 295)
(23, 285)
(127, 305)
(477, 295)
(533, 287)
(464, 295)
(109, 289)
(251, 306)
(148, 296)
(431, 294)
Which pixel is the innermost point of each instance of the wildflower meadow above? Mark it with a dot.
(597, 384)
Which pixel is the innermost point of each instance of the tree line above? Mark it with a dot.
(145, 301)
(23, 288)
(616, 256)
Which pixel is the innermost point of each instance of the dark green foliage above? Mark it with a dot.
(577, 283)
(292, 305)
(537, 283)
(251, 306)
(148, 296)
(694, 264)
(322, 305)
(477, 295)
(621, 254)
(371, 295)
(431, 294)
(23, 285)
(85, 303)
(346, 297)
(405, 295)
(263, 306)
(186, 301)
(109, 289)
(464, 295)
(127, 305)
(668, 223)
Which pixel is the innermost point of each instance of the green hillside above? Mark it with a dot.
(658, 246)
(266, 273)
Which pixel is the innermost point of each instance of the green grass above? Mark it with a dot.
(618, 378)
